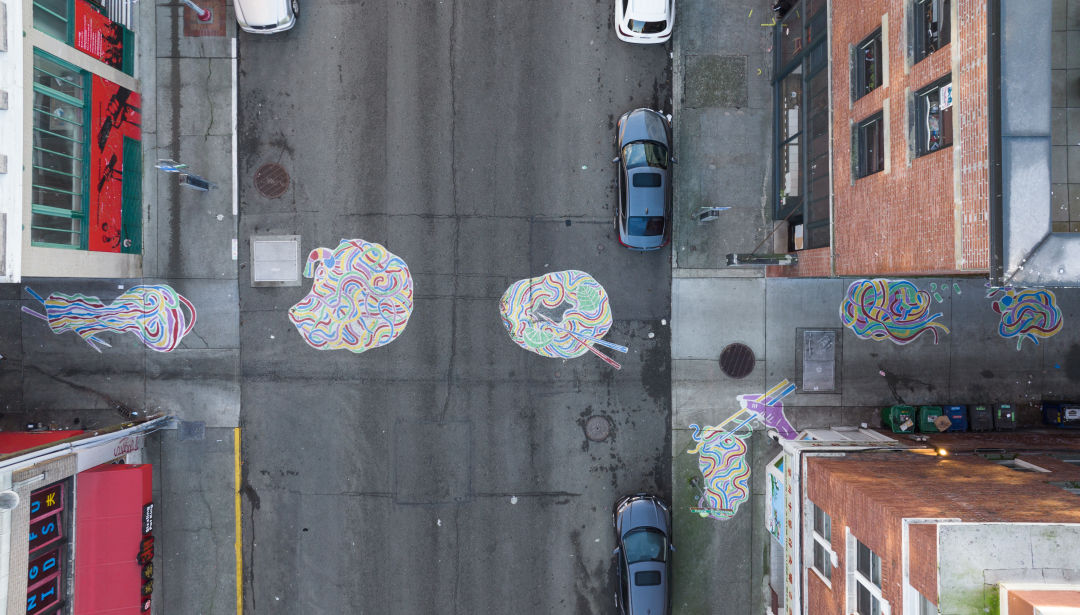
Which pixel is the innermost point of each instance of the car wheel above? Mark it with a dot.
(296, 7)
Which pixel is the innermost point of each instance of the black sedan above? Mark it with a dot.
(643, 215)
(643, 535)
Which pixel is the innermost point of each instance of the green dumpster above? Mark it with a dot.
(900, 419)
(927, 416)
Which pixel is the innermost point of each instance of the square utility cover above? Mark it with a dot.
(275, 260)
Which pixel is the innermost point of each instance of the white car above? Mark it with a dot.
(644, 21)
(265, 16)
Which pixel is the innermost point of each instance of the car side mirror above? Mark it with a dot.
(616, 551)
(672, 548)
(614, 160)
(674, 160)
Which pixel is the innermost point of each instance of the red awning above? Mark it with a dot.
(15, 441)
(109, 529)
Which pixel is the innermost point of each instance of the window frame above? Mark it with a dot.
(860, 140)
(821, 543)
(859, 65)
(920, 28)
(922, 106)
(856, 579)
(925, 606)
(82, 164)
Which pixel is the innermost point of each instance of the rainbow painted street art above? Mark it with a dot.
(153, 313)
(1026, 313)
(560, 315)
(361, 297)
(721, 450)
(893, 310)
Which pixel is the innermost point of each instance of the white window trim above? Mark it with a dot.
(855, 577)
(818, 539)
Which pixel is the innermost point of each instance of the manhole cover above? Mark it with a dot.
(272, 180)
(737, 360)
(598, 428)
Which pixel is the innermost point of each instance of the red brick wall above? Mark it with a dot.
(922, 549)
(812, 264)
(903, 221)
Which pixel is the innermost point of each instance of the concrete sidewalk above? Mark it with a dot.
(187, 75)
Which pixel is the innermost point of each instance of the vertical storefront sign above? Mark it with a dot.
(146, 555)
(44, 583)
(97, 36)
(115, 115)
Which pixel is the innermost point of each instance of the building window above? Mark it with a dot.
(931, 27)
(868, 65)
(863, 579)
(870, 145)
(53, 17)
(822, 533)
(867, 581)
(58, 201)
(933, 117)
(925, 606)
(1020, 465)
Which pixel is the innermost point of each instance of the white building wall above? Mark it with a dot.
(973, 558)
(11, 139)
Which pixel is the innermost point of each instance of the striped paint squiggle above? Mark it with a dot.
(574, 302)
(894, 310)
(153, 313)
(1026, 313)
(361, 297)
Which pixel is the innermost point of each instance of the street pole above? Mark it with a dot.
(202, 14)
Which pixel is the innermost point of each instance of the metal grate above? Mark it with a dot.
(120, 12)
(192, 430)
(275, 260)
(272, 180)
(737, 360)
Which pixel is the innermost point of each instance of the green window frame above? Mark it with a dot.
(55, 18)
(60, 155)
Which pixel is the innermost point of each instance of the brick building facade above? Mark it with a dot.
(938, 141)
(883, 529)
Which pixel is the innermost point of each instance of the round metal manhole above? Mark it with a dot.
(272, 180)
(737, 360)
(598, 428)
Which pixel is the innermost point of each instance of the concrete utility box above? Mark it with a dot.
(275, 260)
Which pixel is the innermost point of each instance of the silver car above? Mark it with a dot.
(643, 214)
(266, 16)
(643, 535)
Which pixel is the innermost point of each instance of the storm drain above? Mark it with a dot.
(275, 260)
(272, 180)
(598, 428)
(737, 360)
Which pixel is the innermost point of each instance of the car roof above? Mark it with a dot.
(647, 10)
(646, 201)
(648, 598)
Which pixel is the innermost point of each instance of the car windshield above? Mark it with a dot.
(645, 545)
(645, 153)
(648, 226)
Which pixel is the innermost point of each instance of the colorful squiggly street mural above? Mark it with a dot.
(721, 450)
(1026, 313)
(894, 310)
(153, 313)
(361, 297)
(558, 315)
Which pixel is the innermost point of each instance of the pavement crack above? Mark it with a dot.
(457, 218)
(125, 410)
(209, 100)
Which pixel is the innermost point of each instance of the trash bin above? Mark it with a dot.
(900, 419)
(1004, 417)
(1061, 414)
(958, 416)
(928, 417)
(980, 418)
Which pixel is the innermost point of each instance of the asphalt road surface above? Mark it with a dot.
(448, 471)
